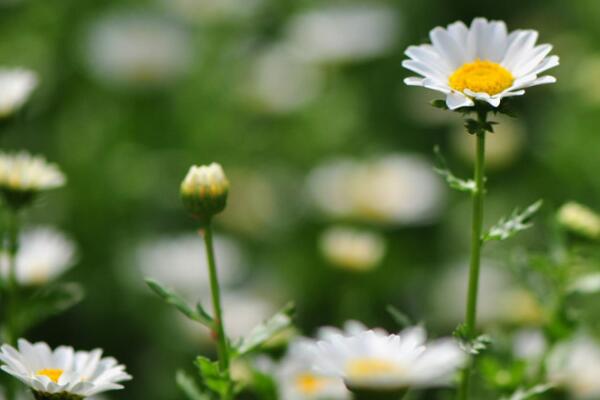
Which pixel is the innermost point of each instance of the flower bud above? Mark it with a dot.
(580, 219)
(204, 191)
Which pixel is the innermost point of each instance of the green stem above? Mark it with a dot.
(476, 232)
(223, 350)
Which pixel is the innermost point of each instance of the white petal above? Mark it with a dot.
(428, 55)
(549, 62)
(447, 47)
(456, 100)
(522, 42)
(414, 81)
(533, 59)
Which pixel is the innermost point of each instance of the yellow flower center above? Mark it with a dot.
(53, 374)
(481, 77)
(368, 367)
(308, 383)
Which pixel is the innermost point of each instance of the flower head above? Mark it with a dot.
(23, 175)
(63, 373)
(375, 360)
(352, 249)
(44, 254)
(204, 190)
(575, 365)
(481, 62)
(16, 86)
(580, 219)
(296, 379)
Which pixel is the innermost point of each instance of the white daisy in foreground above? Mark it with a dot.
(23, 175)
(16, 86)
(575, 365)
(62, 374)
(375, 361)
(296, 379)
(352, 249)
(483, 62)
(44, 253)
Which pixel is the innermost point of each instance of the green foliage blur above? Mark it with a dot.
(126, 144)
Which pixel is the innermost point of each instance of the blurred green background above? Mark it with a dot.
(133, 92)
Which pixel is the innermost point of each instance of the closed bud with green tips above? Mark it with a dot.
(204, 191)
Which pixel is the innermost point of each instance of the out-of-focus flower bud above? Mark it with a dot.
(352, 249)
(580, 219)
(16, 86)
(204, 191)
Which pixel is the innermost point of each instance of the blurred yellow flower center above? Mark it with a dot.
(53, 374)
(369, 367)
(481, 77)
(309, 383)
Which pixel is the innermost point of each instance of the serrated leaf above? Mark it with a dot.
(189, 387)
(517, 222)
(265, 331)
(47, 302)
(401, 319)
(213, 378)
(468, 344)
(452, 181)
(525, 394)
(172, 298)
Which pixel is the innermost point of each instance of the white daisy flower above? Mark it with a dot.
(395, 189)
(44, 253)
(352, 249)
(137, 49)
(180, 262)
(62, 373)
(336, 34)
(375, 360)
(483, 62)
(22, 174)
(575, 365)
(16, 86)
(296, 379)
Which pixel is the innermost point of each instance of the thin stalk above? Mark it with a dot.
(476, 232)
(223, 350)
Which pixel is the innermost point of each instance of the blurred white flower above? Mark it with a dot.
(16, 85)
(44, 254)
(335, 34)
(575, 365)
(296, 379)
(213, 10)
(529, 344)
(374, 360)
(352, 249)
(137, 49)
(22, 174)
(580, 219)
(586, 284)
(501, 300)
(501, 149)
(395, 189)
(280, 82)
(180, 262)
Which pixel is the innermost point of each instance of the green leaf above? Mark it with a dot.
(265, 331)
(439, 103)
(523, 394)
(47, 302)
(189, 387)
(213, 378)
(517, 222)
(452, 181)
(401, 319)
(172, 298)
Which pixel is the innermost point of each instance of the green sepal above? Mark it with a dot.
(170, 297)
(518, 221)
(265, 331)
(56, 396)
